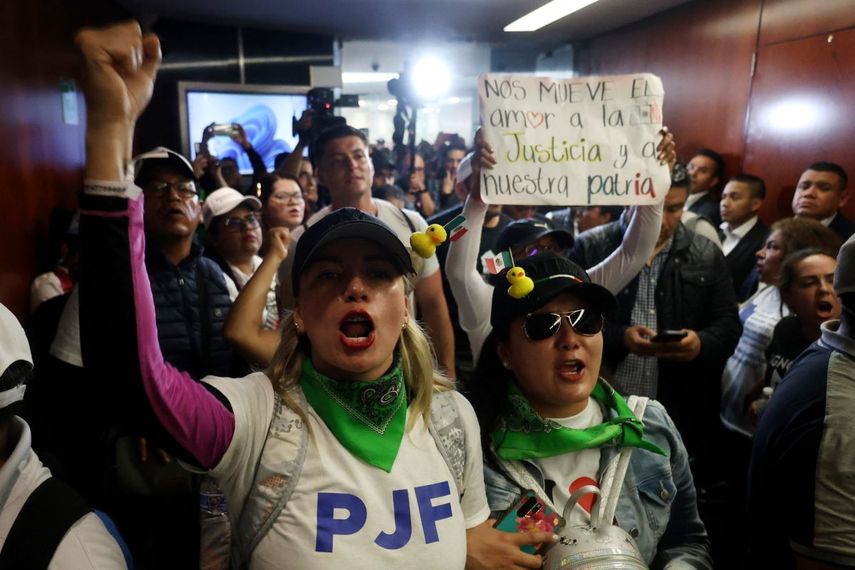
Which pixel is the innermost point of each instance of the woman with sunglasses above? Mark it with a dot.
(548, 419)
(343, 426)
(472, 293)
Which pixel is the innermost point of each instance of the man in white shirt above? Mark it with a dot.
(345, 169)
(741, 231)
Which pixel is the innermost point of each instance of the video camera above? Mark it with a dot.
(322, 102)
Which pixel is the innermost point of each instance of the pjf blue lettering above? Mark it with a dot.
(403, 523)
(329, 526)
(429, 513)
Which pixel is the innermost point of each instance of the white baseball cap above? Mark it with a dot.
(14, 347)
(162, 155)
(225, 200)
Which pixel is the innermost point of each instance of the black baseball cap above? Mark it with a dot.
(347, 223)
(529, 230)
(553, 274)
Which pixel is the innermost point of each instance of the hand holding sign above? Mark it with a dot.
(591, 140)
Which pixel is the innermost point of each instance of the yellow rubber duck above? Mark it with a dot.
(520, 284)
(424, 243)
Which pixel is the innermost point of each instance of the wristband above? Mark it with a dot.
(112, 188)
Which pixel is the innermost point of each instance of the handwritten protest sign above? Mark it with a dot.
(586, 140)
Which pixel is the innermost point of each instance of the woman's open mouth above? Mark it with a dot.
(825, 309)
(356, 330)
(571, 370)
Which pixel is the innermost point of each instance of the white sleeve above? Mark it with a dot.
(88, 545)
(251, 399)
(45, 286)
(706, 229)
(472, 294)
(617, 270)
(474, 501)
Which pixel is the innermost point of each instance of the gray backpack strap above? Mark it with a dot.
(276, 475)
(446, 427)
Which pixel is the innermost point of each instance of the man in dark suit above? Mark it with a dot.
(741, 231)
(706, 170)
(821, 193)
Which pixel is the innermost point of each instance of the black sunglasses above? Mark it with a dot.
(541, 326)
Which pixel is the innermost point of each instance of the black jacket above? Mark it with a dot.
(693, 291)
(742, 259)
(192, 303)
(842, 227)
(707, 207)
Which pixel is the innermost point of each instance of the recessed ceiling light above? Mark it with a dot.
(547, 14)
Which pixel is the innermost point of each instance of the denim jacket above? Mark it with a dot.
(657, 505)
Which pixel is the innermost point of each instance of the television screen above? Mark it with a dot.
(265, 113)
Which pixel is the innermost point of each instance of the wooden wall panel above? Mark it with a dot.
(41, 165)
(702, 51)
(786, 20)
(801, 111)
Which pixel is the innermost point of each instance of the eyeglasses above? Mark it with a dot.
(289, 196)
(547, 244)
(186, 189)
(541, 326)
(237, 224)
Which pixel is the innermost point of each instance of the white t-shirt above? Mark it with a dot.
(45, 286)
(270, 316)
(568, 472)
(345, 513)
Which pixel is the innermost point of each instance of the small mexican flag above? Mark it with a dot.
(455, 228)
(495, 264)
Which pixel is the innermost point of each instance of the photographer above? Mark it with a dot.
(213, 173)
(229, 166)
(417, 196)
(450, 155)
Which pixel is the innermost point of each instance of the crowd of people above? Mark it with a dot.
(262, 373)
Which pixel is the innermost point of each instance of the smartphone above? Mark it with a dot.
(224, 129)
(529, 512)
(669, 336)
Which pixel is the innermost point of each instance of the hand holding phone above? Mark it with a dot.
(529, 512)
(669, 336)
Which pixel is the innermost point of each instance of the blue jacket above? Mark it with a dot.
(657, 505)
(192, 302)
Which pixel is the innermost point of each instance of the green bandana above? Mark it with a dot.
(368, 418)
(525, 434)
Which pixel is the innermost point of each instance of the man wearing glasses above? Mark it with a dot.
(190, 291)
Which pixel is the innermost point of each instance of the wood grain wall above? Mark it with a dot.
(768, 83)
(41, 163)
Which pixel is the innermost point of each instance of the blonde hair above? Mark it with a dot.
(417, 364)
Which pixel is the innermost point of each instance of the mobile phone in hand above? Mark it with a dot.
(529, 512)
(669, 336)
